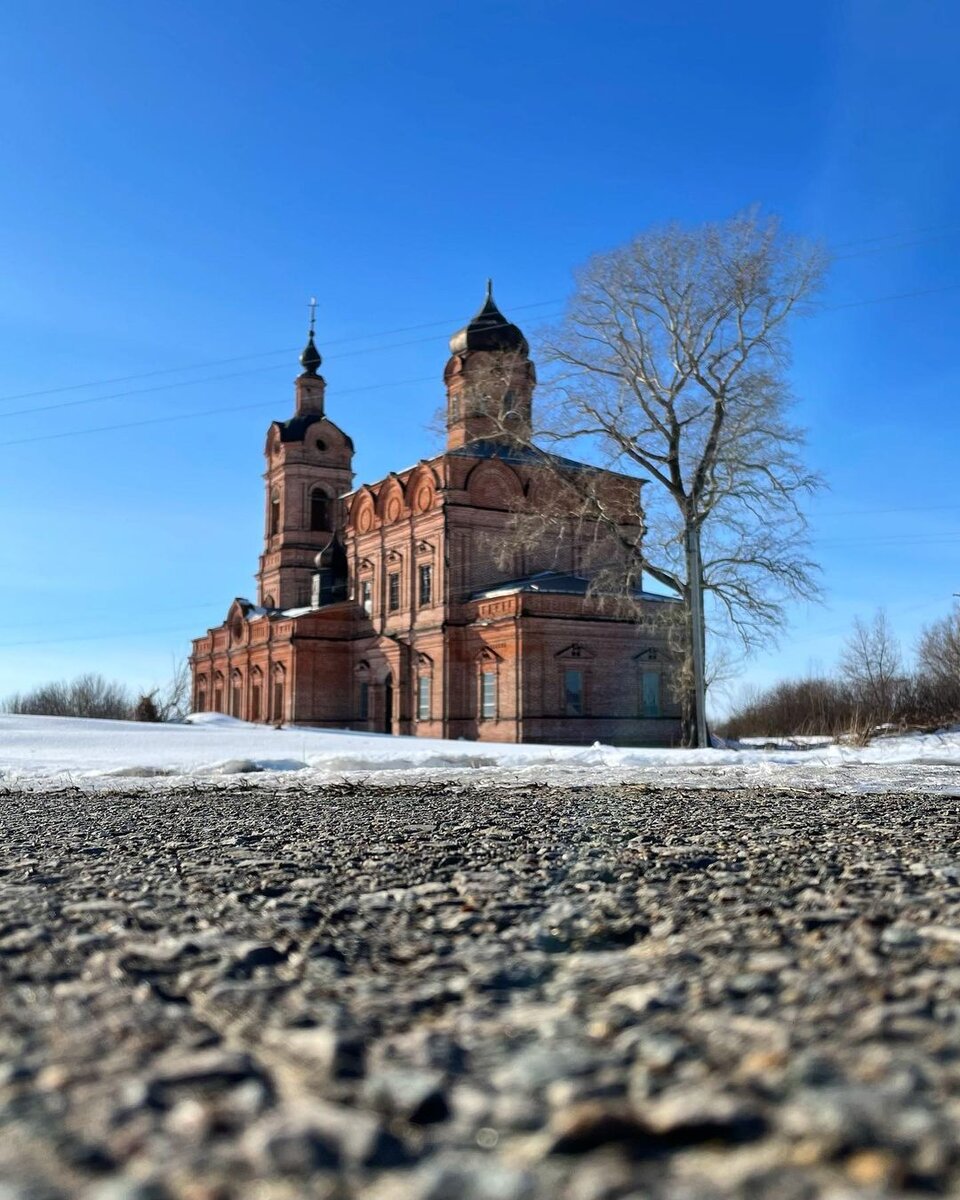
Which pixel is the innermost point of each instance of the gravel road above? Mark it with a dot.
(441, 993)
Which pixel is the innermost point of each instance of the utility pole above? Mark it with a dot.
(697, 634)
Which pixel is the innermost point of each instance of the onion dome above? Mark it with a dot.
(489, 330)
(310, 359)
(333, 555)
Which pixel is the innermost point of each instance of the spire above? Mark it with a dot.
(310, 359)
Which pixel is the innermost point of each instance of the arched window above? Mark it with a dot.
(277, 714)
(488, 685)
(274, 512)
(319, 509)
(256, 694)
(424, 688)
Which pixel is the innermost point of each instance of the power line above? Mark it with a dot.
(876, 512)
(900, 245)
(934, 231)
(893, 539)
(219, 362)
(950, 287)
(112, 611)
(889, 237)
(19, 412)
(93, 637)
(348, 391)
(207, 412)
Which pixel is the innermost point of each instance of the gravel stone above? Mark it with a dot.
(247, 988)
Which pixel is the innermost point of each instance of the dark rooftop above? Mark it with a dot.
(489, 330)
(556, 583)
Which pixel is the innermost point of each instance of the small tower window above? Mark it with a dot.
(274, 512)
(319, 509)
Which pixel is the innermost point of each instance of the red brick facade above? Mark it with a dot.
(384, 608)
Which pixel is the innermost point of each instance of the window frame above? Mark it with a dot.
(425, 696)
(656, 709)
(489, 705)
(579, 708)
(394, 590)
(424, 574)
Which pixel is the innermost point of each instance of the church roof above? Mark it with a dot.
(295, 429)
(556, 583)
(489, 330)
(512, 453)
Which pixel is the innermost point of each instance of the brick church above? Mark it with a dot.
(384, 608)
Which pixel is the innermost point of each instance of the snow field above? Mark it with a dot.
(39, 750)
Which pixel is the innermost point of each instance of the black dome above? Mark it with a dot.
(489, 330)
(310, 359)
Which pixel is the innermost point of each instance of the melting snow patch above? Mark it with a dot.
(139, 772)
(233, 766)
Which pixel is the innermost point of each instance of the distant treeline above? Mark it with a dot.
(91, 695)
(869, 688)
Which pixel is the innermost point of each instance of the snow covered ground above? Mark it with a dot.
(50, 751)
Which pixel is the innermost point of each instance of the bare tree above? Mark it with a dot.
(671, 367)
(173, 699)
(872, 666)
(938, 650)
(171, 702)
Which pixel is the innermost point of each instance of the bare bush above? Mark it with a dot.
(88, 695)
(870, 689)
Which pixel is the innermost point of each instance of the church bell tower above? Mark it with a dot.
(309, 468)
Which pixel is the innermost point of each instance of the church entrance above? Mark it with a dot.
(388, 705)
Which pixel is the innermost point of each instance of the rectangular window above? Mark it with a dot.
(426, 584)
(423, 698)
(255, 702)
(650, 693)
(278, 700)
(217, 700)
(366, 596)
(573, 693)
(393, 583)
(363, 701)
(488, 695)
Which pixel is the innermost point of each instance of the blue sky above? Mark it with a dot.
(179, 179)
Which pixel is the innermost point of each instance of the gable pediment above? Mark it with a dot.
(577, 651)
